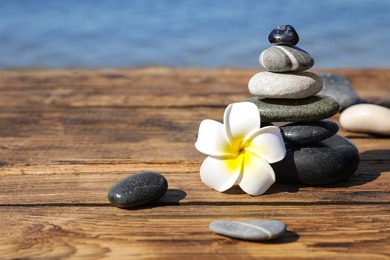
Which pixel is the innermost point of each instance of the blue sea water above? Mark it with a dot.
(188, 33)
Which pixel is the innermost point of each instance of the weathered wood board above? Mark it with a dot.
(66, 136)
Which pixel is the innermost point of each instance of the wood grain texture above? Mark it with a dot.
(67, 136)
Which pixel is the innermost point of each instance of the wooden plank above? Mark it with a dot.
(314, 231)
(159, 87)
(58, 135)
(52, 135)
(88, 184)
(155, 87)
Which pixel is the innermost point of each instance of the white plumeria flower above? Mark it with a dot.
(239, 150)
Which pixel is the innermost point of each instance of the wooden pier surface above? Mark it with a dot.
(66, 136)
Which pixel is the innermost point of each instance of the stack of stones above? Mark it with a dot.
(286, 92)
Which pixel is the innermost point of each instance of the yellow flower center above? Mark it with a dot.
(238, 162)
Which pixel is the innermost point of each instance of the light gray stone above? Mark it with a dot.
(339, 89)
(295, 110)
(285, 85)
(366, 118)
(283, 58)
(252, 230)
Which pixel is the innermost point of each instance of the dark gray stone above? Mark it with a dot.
(308, 132)
(252, 230)
(284, 34)
(329, 161)
(282, 58)
(339, 89)
(295, 110)
(138, 189)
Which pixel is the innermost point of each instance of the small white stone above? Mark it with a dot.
(291, 85)
(366, 118)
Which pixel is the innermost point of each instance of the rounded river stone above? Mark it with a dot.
(295, 110)
(284, 34)
(138, 189)
(289, 85)
(282, 58)
(366, 118)
(329, 161)
(252, 230)
(308, 132)
(339, 89)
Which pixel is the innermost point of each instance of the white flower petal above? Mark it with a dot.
(212, 140)
(220, 174)
(267, 143)
(257, 175)
(240, 120)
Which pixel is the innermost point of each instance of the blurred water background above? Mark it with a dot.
(188, 33)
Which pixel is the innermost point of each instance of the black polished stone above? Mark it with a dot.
(284, 35)
(308, 132)
(329, 161)
(138, 189)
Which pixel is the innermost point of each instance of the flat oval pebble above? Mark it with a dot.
(284, 34)
(285, 85)
(366, 118)
(138, 189)
(308, 132)
(282, 58)
(252, 230)
(329, 161)
(339, 88)
(295, 110)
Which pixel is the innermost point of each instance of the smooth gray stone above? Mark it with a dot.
(295, 110)
(138, 189)
(308, 132)
(289, 85)
(282, 58)
(330, 161)
(252, 230)
(339, 89)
